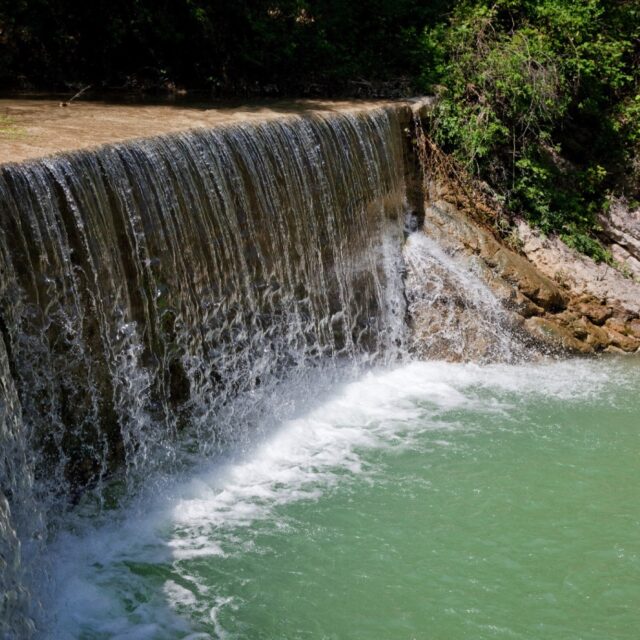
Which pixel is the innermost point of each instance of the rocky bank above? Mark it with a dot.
(556, 298)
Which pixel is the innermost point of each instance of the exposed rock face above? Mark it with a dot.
(555, 335)
(580, 276)
(622, 228)
(562, 300)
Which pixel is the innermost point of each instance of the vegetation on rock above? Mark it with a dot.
(541, 100)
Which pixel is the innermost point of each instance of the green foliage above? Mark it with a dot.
(586, 243)
(540, 99)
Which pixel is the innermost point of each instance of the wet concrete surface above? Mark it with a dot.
(32, 128)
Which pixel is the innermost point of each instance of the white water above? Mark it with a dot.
(96, 590)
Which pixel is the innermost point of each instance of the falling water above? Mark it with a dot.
(19, 523)
(145, 285)
(454, 315)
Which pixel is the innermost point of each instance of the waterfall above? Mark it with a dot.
(147, 284)
(157, 296)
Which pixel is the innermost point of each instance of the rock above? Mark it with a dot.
(580, 332)
(634, 328)
(452, 312)
(555, 336)
(582, 329)
(422, 107)
(623, 334)
(566, 301)
(597, 313)
(525, 307)
(529, 280)
(567, 317)
(488, 248)
(596, 336)
(627, 261)
(617, 325)
(621, 225)
(578, 273)
(611, 349)
(624, 342)
(453, 230)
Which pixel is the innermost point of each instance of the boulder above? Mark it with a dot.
(555, 337)
(596, 337)
(617, 325)
(633, 328)
(594, 310)
(537, 287)
(624, 342)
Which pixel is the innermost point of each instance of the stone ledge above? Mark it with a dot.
(40, 128)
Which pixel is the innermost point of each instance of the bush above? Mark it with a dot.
(540, 99)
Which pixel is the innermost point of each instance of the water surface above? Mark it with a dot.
(430, 501)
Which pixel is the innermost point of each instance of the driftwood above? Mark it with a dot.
(77, 95)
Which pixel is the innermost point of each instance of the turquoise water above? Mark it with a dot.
(431, 501)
